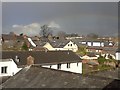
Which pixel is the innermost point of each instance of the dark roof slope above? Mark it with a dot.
(95, 47)
(42, 57)
(8, 37)
(37, 77)
(59, 43)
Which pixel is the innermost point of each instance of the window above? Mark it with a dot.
(59, 66)
(71, 44)
(68, 65)
(4, 69)
(77, 64)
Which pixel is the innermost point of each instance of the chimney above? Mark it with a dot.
(46, 50)
(30, 60)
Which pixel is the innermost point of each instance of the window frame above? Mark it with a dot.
(4, 70)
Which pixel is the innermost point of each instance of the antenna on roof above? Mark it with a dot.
(46, 50)
(68, 52)
(17, 59)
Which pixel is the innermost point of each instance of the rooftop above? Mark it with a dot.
(42, 57)
(38, 77)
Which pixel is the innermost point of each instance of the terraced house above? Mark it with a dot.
(59, 60)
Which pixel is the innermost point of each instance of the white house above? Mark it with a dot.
(68, 46)
(8, 67)
(75, 67)
(117, 55)
(98, 43)
(59, 60)
(71, 46)
(86, 57)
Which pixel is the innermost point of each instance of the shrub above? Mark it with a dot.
(101, 60)
(24, 47)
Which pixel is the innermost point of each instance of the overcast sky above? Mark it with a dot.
(71, 17)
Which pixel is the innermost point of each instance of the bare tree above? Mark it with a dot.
(92, 35)
(45, 31)
(61, 34)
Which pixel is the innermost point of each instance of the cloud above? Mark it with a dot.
(31, 29)
(54, 25)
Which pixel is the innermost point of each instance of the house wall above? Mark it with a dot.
(32, 43)
(71, 46)
(89, 58)
(117, 55)
(73, 67)
(89, 43)
(11, 68)
(102, 44)
(83, 42)
(96, 44)
(68, 46)
(48, 46)
(93, 50)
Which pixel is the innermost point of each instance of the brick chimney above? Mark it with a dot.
(30, 60)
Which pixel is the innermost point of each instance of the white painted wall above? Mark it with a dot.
(68, 46)
(83, 42)
(73, 48)
(96, 44)
(89, 43)
(117, 55)
(73, 67)
(48, 46)
(32, 43)
(102, 44)
(11, 68)
(88, 58)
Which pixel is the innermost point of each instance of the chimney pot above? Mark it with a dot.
(30, 60)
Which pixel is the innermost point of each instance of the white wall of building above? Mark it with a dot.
(83, 42)
(102, 44)
(89, 43)
(12, 68)
(48, 46)
(32, 43)
(69, 46)
(117, 55)
(96, 44)
(89, 58)
(74, 67)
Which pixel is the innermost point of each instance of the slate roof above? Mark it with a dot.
(91, 54)
(39, 48)
(3, 79)
(110, 50)
(95, 47)
(8, 37)
(1, 60)
(54, 43)
(118, 50)
(42, 57)
(20, 38)
(59, 44)
(38, 77)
